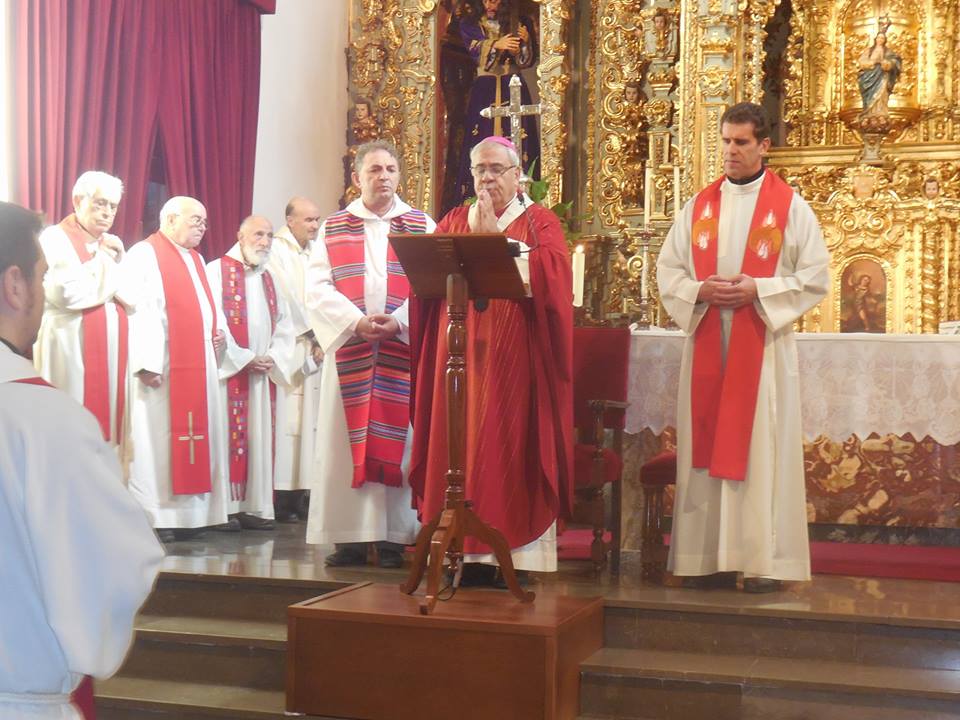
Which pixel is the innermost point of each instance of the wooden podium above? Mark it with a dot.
(459, 267)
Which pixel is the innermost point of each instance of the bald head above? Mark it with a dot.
(303, 219)
(184, 220)
(255, 238)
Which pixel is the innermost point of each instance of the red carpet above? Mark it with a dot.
(912, 562)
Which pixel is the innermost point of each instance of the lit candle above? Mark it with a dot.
(645, 273)
(579, 265)
(647, 194)
(676, 191)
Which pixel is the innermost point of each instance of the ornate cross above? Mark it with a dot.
(190, 436)
(514, 110)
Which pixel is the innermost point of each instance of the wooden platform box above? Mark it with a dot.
(366, 653)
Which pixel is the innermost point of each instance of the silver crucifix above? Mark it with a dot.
(515, 111)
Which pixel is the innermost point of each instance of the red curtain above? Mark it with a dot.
(97, 81)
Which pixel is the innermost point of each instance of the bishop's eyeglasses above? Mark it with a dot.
(491, 170)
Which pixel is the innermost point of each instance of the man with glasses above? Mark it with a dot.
(519, 379)
(82, 346)
(177, 341)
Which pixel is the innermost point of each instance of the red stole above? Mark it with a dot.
(189, 430)
(234, 283)
(375, 386)
(96, 386)
(723, 396)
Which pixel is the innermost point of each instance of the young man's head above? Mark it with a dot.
(22, 267)
(745, 134)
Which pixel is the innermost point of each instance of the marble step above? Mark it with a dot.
(862, 640)
(230, 596)
(633, 684)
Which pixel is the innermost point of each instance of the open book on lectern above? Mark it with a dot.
(485, 261)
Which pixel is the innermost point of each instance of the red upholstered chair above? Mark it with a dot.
(655, 475)
(600, 359)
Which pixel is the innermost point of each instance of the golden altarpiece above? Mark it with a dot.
(864, 96)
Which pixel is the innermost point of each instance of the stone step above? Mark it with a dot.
(632, 684)
(870, 641)
(231, 597)
(123, 698)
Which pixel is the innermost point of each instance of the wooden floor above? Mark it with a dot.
(211, 641)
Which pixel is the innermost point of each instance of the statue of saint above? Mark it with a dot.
(634, 145)
(364, 126)
(879, 69)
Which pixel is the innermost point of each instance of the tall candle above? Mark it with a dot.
(579, 266)
(676, 192)
(645, 273)
(647, 195)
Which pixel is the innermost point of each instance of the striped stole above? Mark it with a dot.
(233, 273)
(374, 379)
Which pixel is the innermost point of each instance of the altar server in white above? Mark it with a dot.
(79, 557)
(179, 469)
(360, 492)
(259, 323)
(297, 403)
(82, 347)
(745, 259)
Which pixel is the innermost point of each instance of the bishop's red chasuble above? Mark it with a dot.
(519, 465)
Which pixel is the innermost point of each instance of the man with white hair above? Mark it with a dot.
(177, 337)
(259, 323)
(519, 382)
(82, 346)
(296, 404)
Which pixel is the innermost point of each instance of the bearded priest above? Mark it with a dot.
(259, 323)
(519, 464)
(744, 260)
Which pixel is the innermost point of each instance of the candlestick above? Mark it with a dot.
(645, 273)
(579, 265)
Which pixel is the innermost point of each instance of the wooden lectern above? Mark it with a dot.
(457, 266)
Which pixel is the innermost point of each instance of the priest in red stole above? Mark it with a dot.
(744, 260)
(82, 345)
(179, 468)
(519, 384)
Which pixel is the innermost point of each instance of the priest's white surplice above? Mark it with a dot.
(297, 402)
(340, 513)
(70, 287)
(150, 480)
(757, 526)
(264, 340)
(79, 557)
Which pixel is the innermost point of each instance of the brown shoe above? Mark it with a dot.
(761, 585)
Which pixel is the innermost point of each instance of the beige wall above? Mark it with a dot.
(301, 135)
(6, 105)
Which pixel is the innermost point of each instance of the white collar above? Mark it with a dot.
(14, 367)
(362, 211)
(750, 188)
(285, 236)
(513, 210)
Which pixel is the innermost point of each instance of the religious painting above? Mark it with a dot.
(484, 43)
(863, 297)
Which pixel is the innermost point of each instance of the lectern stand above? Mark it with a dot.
(458, 267)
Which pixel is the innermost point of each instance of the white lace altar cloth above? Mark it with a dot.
(851, 384)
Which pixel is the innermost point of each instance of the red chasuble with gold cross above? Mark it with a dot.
(723, 393)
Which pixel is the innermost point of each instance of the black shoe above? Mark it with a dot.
(253, 522)
(523, 579)
(715, 581)
(302, 505)
(345, 557)
(165, 535)
(286, 516)
(761, 585)
(231, 525)
(387, 558)
(478, 575)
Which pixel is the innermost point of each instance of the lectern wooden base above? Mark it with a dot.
(366, 653)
